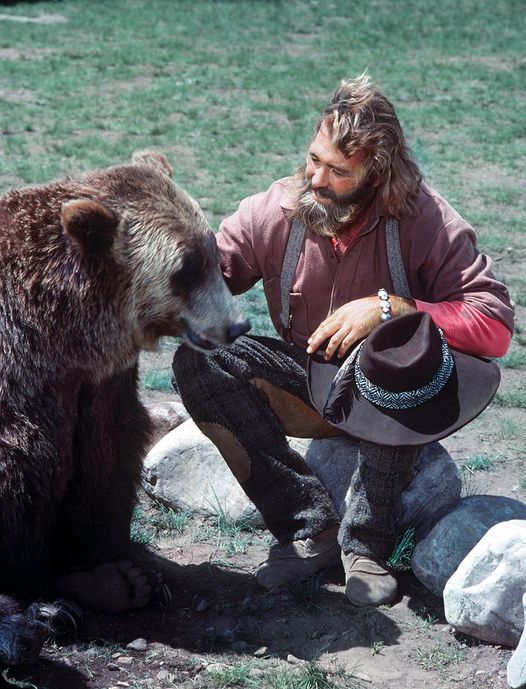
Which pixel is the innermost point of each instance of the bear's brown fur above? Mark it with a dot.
(92, 269)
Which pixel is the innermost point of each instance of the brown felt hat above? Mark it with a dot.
(402, 385)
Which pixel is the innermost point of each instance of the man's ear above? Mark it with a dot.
(154, 159)
(90, 224)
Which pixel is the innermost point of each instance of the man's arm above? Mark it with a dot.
(465, 327)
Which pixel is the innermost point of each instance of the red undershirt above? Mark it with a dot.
(465, 327)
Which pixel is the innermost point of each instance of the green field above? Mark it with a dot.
(229, 90)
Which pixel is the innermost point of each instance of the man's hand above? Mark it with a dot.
(352, 322)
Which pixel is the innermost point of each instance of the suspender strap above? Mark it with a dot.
(293, 251)
(290, 263)
(394, 258)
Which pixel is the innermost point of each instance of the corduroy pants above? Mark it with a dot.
(247, 398)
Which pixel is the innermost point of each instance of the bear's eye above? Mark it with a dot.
(191, 273)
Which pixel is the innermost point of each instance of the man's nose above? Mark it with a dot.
(320, 178)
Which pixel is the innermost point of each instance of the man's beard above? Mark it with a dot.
(328, 220)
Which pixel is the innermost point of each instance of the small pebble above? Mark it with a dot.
(293, 660)
(137, 645)
(203, 605)
(362, 676)
(216, 667)
(112, 666)
(261, 652)
(125, 660)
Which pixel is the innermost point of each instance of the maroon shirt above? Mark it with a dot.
(438, 250)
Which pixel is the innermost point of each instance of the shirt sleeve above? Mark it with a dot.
(446, 266)
(467, 329)
(236, 248)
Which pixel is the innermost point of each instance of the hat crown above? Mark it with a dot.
(405, 356)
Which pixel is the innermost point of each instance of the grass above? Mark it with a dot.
(514, 397)
(231, 536)
(233, 115)
(400, 559)
(308, 676)
(171, 520)
(439, 657)
(141, 531)
(232, 676)
(508, 429)
(377, 647)
(157, 379)
(515, 358)
(478, 463)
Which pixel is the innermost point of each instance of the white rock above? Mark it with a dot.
(437, 557)
(483, 597)
(137, 645)
(517, 665)
(185, 471)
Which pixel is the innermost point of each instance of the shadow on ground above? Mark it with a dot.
(216, 609)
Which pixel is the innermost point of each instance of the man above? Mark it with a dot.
(322, 293)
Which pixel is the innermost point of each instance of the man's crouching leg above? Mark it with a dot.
(228, 394)
(368, 531)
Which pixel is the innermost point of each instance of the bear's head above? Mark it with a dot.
(159, 239)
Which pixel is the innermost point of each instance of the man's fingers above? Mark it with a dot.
(322, 333)
(335, 344)
(347, 342)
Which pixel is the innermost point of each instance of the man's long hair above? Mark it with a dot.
(360, 118)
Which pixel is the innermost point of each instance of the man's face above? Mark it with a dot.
(332, 189)
(334, 177)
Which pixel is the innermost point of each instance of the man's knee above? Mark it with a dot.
(296, 418)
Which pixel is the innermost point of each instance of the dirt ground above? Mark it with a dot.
(219, 618)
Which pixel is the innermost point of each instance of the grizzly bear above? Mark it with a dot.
(93, 269)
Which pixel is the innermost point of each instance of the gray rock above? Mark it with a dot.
(165, 417)
(137, 645)
(516, 671)
(434, 490)
(483, 597)
(185, 471)
(437, 556)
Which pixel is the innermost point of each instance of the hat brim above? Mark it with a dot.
(472, 385)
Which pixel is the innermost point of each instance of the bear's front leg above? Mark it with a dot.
(109, 445)
(35, 469)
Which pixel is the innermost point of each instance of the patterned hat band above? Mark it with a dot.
(407, 398)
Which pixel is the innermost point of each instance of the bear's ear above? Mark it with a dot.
(154, 159)
(90, 224)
